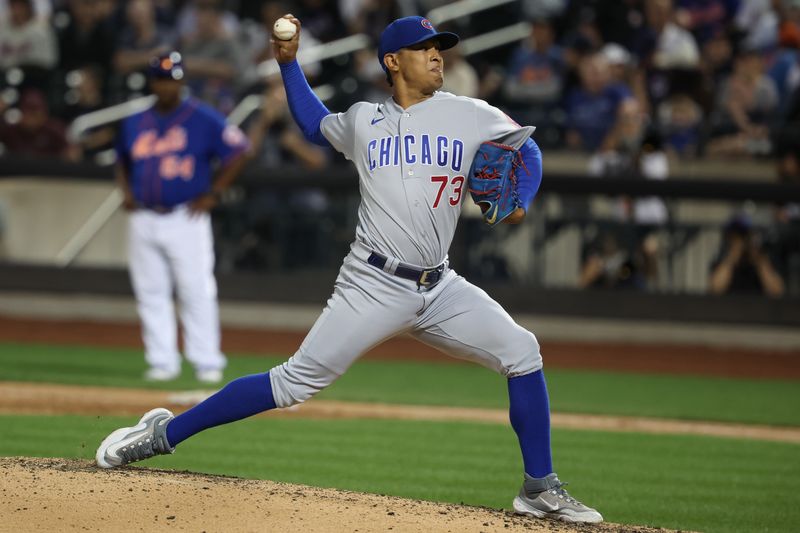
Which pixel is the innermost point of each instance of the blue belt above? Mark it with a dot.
(425, 277)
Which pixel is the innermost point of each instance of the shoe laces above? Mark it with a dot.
(562, 493)
(138, 450)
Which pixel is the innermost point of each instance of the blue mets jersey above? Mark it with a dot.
(171, 157)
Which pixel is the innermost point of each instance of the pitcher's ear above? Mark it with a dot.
(390, 60)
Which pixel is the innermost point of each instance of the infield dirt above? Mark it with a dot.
(74, 495)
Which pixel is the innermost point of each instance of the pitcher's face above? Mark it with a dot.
(421, 65)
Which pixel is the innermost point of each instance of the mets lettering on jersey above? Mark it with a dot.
(170, 157)
(148, 144)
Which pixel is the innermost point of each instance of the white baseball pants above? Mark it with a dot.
(174, 253)
(369, 306)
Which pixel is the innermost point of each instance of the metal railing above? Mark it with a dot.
(90, 228)
(324, 51)
(252, 102)
(107, 115)
(493, 39)
(460, 9)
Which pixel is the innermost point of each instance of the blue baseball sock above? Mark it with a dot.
(239, 399)
(529, 410)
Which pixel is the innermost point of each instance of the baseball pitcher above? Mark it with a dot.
(167, 157)
(417, 154)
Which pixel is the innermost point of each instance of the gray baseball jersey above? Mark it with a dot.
(412, 165)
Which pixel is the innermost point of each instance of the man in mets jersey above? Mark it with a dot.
(412, 153)
(167, 156)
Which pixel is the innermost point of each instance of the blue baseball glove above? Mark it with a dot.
(493, 181)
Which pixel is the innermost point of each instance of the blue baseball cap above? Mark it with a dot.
(167, 66)
(408, 31)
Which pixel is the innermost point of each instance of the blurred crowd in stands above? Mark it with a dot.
(709, 77)
(631, 84)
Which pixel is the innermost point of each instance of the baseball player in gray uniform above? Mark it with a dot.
(413, 153)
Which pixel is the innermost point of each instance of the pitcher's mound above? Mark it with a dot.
(75, 495)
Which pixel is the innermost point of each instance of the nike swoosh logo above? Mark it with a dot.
(548, 506)
(492, 219)
(376, 120)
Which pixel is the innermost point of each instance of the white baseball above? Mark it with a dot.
(284, 29)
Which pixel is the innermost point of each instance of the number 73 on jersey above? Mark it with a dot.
(452, 193)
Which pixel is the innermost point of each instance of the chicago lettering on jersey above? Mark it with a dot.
(415, 150)
(149, 144)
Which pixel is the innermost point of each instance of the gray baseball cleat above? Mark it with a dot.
(145, 439)
(547, 498)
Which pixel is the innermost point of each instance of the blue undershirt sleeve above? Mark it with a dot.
(530, 175)
(307, 110)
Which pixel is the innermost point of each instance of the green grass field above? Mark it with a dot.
(679, 482)
(693, 398)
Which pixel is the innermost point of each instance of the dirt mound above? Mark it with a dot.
(74, 495)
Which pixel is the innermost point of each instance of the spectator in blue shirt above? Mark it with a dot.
(706, 18)
(596, 107)
(536, 68)
(535, 79)
(680, 120)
